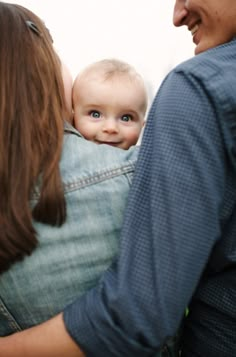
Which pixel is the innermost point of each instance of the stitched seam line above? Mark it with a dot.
(12, 322)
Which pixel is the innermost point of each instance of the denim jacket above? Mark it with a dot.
(69, 260)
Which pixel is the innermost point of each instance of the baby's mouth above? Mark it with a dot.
(112, 143)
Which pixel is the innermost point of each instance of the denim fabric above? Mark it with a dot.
(69, 260)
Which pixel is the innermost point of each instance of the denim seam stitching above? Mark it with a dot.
(99, 177)
(96, 177)
(5, 312)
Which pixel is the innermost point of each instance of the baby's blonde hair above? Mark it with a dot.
(111, 68)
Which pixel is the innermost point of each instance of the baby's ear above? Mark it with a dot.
(72, 118)
(144, 123)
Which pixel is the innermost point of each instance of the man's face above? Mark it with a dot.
(211, 22)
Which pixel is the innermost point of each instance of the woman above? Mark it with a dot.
(62, 197)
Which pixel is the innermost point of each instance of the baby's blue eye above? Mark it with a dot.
(126, 117)
(95, 114)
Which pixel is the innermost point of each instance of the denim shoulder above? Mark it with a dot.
(85, 163)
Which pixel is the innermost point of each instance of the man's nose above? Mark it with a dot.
(180, 13)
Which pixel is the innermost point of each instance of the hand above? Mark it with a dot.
(49, 339)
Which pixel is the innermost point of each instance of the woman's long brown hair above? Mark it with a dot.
(32, 107)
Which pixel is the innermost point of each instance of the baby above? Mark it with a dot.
(110, 102)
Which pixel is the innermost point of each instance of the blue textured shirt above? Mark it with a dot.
(178, 243)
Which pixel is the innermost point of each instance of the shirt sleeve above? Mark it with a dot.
(171, 224)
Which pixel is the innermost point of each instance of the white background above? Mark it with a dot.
(137, 31)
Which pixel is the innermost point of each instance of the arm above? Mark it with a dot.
(48, 340)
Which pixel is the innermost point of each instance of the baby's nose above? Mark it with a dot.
(110, 125)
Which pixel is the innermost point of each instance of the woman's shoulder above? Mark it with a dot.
(85, 160)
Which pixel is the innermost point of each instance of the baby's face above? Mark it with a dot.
(109, 111)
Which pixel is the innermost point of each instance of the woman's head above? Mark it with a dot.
(211, 22)
(32, 107)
